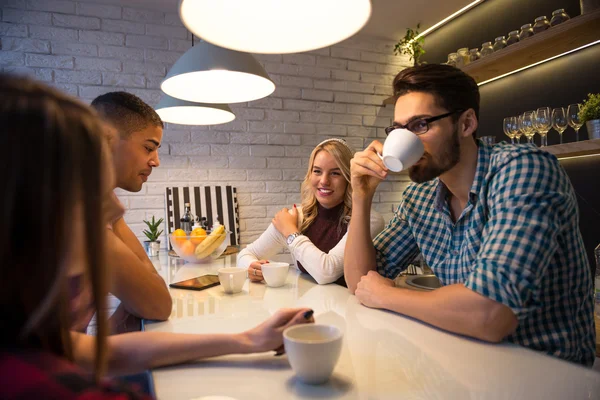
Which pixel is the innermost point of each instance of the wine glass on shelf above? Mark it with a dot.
(507, 127)
(534, 124)
(543, 123)
(526, 126)
(573, 119)
(559, 121)
(514, 125)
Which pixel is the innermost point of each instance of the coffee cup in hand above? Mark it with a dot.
(401, 150)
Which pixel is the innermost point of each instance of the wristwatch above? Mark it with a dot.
(291, 237)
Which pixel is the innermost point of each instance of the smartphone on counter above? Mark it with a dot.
(198, 283)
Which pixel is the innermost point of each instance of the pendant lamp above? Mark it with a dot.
(183, 112)
(210, 74)
(274, 26)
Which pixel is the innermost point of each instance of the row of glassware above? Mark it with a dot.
(541, 121)
(465, 56)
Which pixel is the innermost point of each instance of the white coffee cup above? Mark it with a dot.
(275, 273)
(232, 279)
(313, 351)
(401, 150)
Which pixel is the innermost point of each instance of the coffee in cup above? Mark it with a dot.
(401, 150)
(232, 279)
(275, 273)
(313, 351)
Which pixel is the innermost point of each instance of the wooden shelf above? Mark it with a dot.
(570, 35)
(574, 149)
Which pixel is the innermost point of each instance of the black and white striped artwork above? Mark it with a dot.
(212, 202)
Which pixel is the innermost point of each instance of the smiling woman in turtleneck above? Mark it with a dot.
(315, 233)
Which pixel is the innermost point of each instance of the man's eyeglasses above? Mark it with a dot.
(421, 125)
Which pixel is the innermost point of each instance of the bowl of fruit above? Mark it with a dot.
(199, 245)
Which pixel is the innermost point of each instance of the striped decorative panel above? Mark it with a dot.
(212, 202)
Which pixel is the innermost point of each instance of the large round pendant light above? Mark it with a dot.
(274, 26)
(210, 74)
(183, 112)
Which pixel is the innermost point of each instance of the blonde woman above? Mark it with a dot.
(315, 233)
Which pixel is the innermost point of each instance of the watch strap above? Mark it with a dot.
(291, 237)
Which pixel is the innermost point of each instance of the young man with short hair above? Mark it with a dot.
(135, 134)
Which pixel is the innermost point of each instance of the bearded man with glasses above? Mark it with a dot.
(498, 225)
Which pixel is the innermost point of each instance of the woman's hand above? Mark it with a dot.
(255, 270)
(269, 335)
(286, 221)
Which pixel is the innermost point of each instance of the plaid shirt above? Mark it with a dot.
(516, 242)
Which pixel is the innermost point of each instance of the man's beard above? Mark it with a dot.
(430, 169)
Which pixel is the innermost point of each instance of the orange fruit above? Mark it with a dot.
(186, 248)
(197, 236)
(179, 235)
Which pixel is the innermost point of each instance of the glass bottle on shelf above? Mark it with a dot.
(499, 43)
(559, 16)
(474, 55)
(513, 37)
(541, 24)
(462, 58)
(526, 31)
(452, 59)
(486, 49)
(187, 220)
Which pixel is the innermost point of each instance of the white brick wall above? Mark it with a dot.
(87, 49)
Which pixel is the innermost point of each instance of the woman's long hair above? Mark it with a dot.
(342, 155)
(51, 152)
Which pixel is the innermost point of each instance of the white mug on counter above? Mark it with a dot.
(275, 273)
(401, 150)
(313, 351)
(232, 279)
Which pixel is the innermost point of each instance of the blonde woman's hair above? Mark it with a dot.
(342, 154)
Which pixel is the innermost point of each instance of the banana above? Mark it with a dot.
(210, 244)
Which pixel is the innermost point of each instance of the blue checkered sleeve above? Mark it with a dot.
(530, 200)
(395, 246)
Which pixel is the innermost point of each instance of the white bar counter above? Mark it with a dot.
(384, 355)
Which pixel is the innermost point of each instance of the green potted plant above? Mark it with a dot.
(590, 115)
(152, 245)
(411, 45)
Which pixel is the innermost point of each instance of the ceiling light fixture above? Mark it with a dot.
(274, 26)
(210, 74)
(183, 112)
(538, 63)
(448, 19)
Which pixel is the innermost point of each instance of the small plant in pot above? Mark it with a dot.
(590, 115)
(411, 45)
(152, 245)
